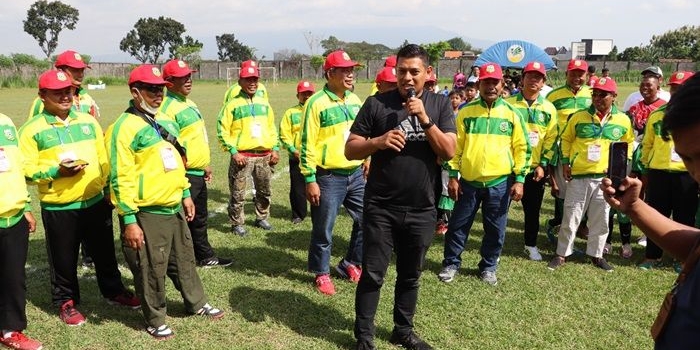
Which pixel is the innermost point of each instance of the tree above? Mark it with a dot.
(683, 42)
(230, 49)
(633, 53)
(150, 37)
(332, 44)
(189, 51)
(45, 21)
(436, 50)
(612, 55)
(459, 45)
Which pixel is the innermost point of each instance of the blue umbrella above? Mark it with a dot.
(514, 54)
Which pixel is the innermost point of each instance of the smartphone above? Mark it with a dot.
(74, 163)
(617, 164)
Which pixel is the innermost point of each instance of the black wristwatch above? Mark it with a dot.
(427, 125)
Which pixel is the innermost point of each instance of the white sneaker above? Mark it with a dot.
(607, 249)
(642, 241)
(533, 253)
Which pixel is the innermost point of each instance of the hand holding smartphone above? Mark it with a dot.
(617, 165)
(74, 163)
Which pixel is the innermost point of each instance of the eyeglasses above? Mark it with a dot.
(154, 89)
(601, 94)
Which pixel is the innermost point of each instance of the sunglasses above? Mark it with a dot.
(154, 89)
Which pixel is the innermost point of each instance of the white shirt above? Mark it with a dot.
(637, 96)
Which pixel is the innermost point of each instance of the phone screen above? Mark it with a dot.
(617, 163)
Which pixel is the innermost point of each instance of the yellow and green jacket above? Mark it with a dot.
(541, 123)
(235, 90)
(584, 131)
(491, 144)
(243, 116)
(290, 128)
(325, 128)
(82, 102)
(139, 180)
(566, 102)
(185, 115)
(45, 141)
(657, 153)
(14, 198)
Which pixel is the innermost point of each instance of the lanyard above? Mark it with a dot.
(154, 124)
(58, 132)
(603, 121)
(343, 107)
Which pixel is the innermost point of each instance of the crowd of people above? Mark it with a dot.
(406, 164)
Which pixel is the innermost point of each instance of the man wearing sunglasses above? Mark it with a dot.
(149, 188)
(183, 113)
(584, 149)
(64, 155)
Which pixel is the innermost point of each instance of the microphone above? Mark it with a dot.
(410, 92)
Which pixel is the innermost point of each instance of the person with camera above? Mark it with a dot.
(584, 149)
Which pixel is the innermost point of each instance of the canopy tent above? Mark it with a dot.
(515, 54)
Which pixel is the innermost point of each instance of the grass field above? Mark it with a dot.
(271, 303)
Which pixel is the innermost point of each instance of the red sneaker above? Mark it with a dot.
(19, 341)
(325, 285)
(70, 315)
(441, 229)
(125, 298)
(354, 273)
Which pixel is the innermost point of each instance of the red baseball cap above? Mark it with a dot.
(678, 78)
(147, 74)
(490, 70)
(71, 59)
(177, 69)
(249, 63)
(535, 66)
(605, 84)
(54, 80)
(432, 77)
(249, 71)
(338, 59)
(577, 65)
(387, 74)
(390, 61)
(305, 85)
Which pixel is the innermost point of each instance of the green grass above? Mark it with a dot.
(271, 304)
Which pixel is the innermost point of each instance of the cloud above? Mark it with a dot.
(680, 4)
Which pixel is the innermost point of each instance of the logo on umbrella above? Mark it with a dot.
(515, 53)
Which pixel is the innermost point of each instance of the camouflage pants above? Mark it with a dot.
(261, 171)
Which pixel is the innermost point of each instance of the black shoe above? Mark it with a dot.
(409, 341)
(601, 264)
(88, 263)
(263, 224)
(239, 230)
(214, 262)
(365, 345)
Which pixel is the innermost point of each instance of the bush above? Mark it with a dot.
(6, 62)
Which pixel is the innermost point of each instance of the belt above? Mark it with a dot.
(255, 153)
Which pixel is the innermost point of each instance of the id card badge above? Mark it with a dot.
(68, 155)
(256, 131)
(674, 156)
(168, 157)
(594, 153)
(4, 161)
(534, 137)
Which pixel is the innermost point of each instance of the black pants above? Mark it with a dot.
(198, 226)
(671, 193)
(64, 230)
(409, 234)
(297, 190)
(14, 242)
(533, 192)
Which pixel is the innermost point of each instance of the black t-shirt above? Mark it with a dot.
(403, 180)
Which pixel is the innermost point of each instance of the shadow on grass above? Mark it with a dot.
(266, 261)
(296, 311)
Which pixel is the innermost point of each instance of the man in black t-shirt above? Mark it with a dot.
(405, 131)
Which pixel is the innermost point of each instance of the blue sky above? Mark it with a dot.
(270, 26)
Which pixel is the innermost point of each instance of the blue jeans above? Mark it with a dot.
(494, 203)
(336, 190)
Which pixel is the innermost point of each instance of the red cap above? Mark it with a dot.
(338, 59)
(54, 80)
(390, 61)
(678, 78)
(490, 70)
(577, 65)
(249, 71)
(147, 74)
(535, 66)
(305, 85)
(71, 59)
(387, 74)
(432, 77)
(605, 84)
(249, 63)
(177, 69)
